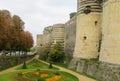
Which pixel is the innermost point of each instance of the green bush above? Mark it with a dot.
(56, 54)
(44, 51)
(57, 73)
(72, 14)
(37, 69)
(50, 66)
(24, 65)
(19, 74)
(40, 79)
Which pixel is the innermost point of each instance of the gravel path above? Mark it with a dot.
(12, 69)
(80, 77)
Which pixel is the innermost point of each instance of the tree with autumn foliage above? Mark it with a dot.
(26, 41)
(6, 26)
(12, 34)
(19, 28)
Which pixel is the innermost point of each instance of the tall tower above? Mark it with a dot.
(58, 34)
(88, 29)
(110, 49)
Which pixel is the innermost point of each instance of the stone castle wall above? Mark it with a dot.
(88, 29)
(83, 34)
(39, 42)
(39, 39)
(99, 70)
(47, 34)
(70, 36)
(107, 68)
(58, 34)
(51, 35)
(110, 48)
(87, 35)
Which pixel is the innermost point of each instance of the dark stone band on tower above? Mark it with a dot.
(88, 6)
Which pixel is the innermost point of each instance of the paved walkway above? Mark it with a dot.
(80, 77)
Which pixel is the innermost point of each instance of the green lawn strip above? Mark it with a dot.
(6, 77)
(65, 66)
(61, 65)
(69, 77)
(31, 67)
(36, 64)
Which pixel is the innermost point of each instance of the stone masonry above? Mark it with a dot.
(92, 38)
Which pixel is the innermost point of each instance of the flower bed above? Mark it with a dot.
(38, 75)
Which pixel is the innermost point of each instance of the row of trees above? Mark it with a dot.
(12, 34)
(54, 54)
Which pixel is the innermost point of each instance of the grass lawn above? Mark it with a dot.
(68, 77)
(61, 65)
(6, 77)
(34, 66)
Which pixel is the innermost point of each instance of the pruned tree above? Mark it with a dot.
(44, 51)
(56, 53)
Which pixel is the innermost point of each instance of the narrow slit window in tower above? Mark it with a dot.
(96, 22)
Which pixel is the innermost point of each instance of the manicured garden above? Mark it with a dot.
(36, 64)
(38, 71)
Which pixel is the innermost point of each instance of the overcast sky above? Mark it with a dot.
(38, 14)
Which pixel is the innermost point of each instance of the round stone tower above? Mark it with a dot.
(110, 49)
(88, 31)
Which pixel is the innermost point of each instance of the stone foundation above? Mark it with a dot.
(73, 63)
(100, 70)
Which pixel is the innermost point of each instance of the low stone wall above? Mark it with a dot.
(10, 61)
(100, 70)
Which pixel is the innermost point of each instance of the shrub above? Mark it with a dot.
(44, 51)
(19, 74)
(50, 66)
(40, 79)
(24, 65)
(57, 73)
(56, 54)
(37, 69)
